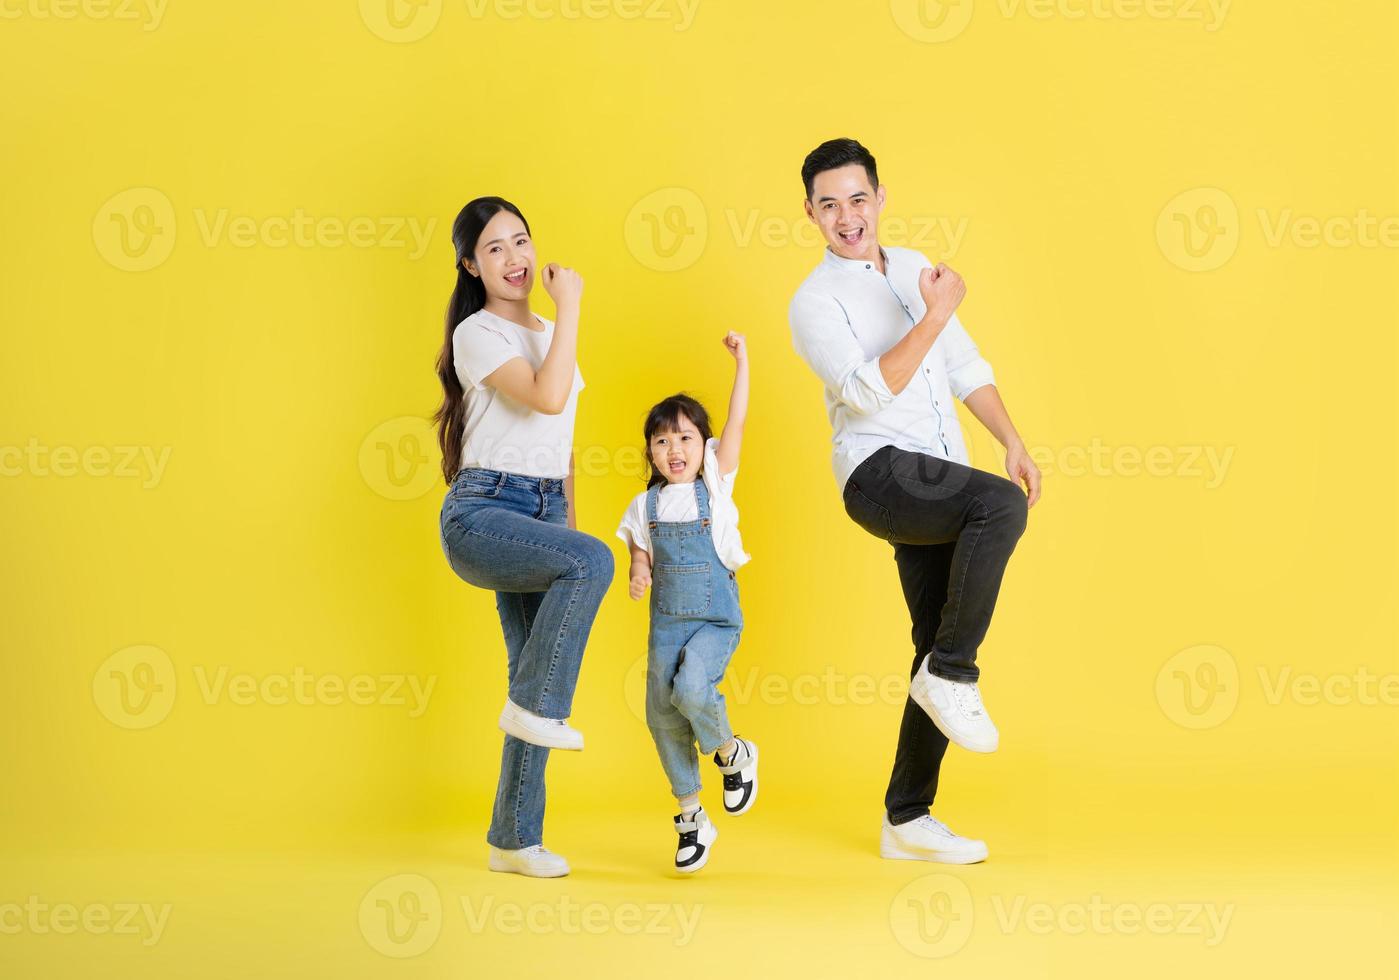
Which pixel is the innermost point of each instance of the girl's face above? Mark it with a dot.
(678, 455)
(504, 258)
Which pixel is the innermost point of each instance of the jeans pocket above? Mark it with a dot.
(871, 516)
(682, 590)
(473, 484)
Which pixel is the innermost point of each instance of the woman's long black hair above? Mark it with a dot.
(468, 297)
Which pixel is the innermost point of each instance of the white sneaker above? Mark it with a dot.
(928, 839)
(534, 861)
(697, 836)
(740, 777)
(551, 733)
(956, 708)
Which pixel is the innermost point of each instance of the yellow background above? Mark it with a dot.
(1072, 151)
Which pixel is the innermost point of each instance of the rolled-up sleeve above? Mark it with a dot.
(823, 338)
(967, 370)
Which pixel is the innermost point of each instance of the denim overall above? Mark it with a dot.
(695, 626)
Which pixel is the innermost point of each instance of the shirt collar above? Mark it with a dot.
(835, 261)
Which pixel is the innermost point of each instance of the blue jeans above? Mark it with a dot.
(696, 623)
(510, 534)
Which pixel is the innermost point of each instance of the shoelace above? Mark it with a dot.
(936, 825)
(968, 698)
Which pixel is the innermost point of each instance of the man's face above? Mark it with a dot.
(846, 209)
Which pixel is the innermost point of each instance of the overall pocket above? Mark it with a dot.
(682, 590)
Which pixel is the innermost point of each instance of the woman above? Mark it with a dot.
(510, 380)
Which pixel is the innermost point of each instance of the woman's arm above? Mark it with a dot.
(640, 575)
(985, 403)
(547, 389)
(568, 495)
(731, 439)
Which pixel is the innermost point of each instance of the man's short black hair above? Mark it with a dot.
(837, 153)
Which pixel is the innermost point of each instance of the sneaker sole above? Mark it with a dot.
(503, 868)
(753, 796)
(510, 727)
(919, 692)
(895, 853)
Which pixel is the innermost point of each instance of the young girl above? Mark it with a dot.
(683, 535)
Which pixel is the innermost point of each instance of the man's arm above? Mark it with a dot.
(942, 291)
(985, 403)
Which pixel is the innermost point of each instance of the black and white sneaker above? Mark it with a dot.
(697, 836)
(740, 777)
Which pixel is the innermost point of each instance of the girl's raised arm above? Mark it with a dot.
(731, 439)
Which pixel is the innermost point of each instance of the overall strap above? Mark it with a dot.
(702, 499)
(652, 494)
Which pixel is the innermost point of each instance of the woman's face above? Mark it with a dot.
(678, 455)
(504, 258)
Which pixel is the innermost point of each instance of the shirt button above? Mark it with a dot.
(867, 265)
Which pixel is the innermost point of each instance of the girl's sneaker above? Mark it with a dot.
(534, 862)
(740, 777)
(551, 733)
(697, 836)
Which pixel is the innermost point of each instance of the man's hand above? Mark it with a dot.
(942, 291)
(640, 582)
(1021, 469)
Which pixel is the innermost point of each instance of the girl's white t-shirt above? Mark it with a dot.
(501, 433)
(677, 502)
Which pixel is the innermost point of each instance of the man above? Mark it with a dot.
(879, 328)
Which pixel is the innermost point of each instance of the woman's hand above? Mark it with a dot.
(564, 285)
(737, 345)
(640, 582)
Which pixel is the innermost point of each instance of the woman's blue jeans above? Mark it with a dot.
(510, 533)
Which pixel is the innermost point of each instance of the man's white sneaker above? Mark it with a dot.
(534, 861)
(551, 733)
(956, 708)
(697, 836)
(928, 839)
(740, 777)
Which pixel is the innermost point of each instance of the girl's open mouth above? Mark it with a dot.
(517, 278)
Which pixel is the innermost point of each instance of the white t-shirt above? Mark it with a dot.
(677, 502)
(501, 433)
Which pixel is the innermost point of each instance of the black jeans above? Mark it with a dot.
(953, 529)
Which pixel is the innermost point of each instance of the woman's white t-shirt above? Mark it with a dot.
(677, 502)
(501, 433)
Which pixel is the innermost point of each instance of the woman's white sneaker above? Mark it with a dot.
(928, 839)
(740, 777)
(551, 733)
(697, 836)
(956, 708)
(534, 861)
